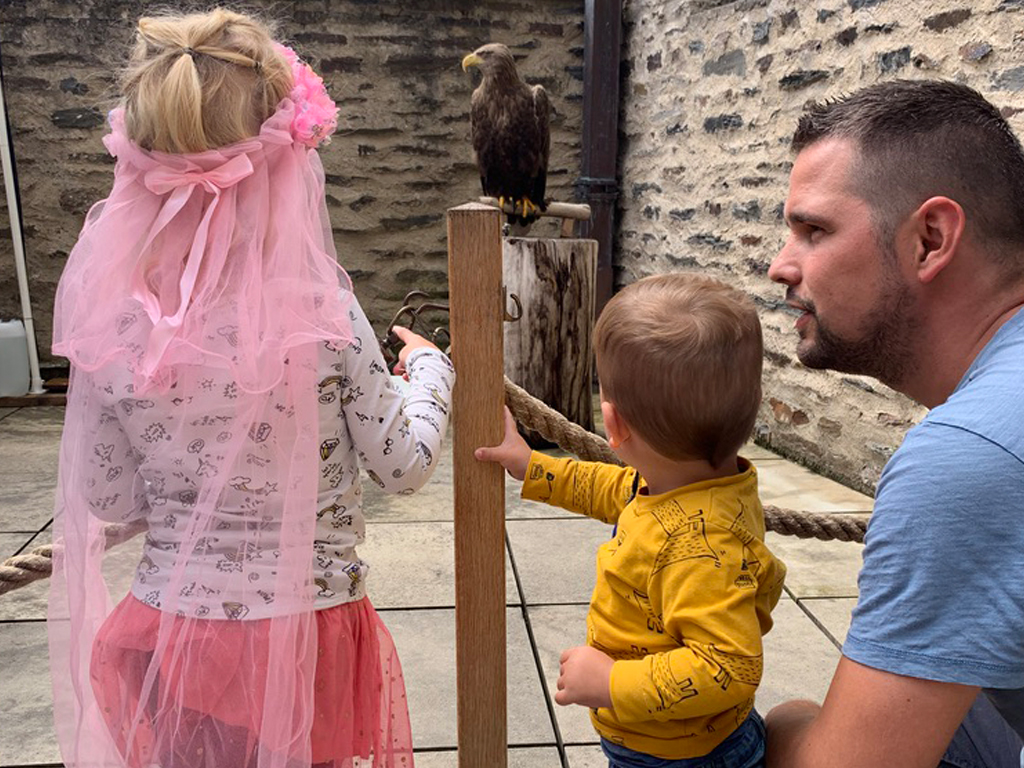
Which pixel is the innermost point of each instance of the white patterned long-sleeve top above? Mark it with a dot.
(157, 449)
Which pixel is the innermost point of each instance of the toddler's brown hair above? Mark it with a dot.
(680, 358)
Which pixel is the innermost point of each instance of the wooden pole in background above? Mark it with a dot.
(474, 286)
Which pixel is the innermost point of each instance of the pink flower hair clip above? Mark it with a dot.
(316, 114)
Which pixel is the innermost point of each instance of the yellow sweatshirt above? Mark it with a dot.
(683, 596)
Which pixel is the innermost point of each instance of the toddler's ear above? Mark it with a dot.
(614, 425)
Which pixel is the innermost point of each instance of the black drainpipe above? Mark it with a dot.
(597, 184)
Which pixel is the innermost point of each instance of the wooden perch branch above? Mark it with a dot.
(577, 211)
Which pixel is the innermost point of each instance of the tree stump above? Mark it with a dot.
(549, 350)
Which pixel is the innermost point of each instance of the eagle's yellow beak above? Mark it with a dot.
(472, 60)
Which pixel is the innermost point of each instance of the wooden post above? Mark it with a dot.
(475, 295)
(549, 351)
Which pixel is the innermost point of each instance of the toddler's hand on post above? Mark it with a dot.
(584, 678)
(412, 341)
(513, 453)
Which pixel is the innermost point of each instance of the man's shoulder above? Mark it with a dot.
(942, 461)
(989, 401)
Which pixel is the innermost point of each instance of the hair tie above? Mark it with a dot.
(190, 52)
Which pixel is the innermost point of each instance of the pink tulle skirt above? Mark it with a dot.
(206, 706)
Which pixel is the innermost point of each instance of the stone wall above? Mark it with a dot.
(400, 158)
(712, 90)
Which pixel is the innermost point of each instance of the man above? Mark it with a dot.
(905, 261)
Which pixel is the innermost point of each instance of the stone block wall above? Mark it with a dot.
(400, 158)
(711, 93)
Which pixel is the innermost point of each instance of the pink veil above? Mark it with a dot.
(194, 309)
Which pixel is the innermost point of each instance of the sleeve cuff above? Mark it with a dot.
(540, 473)
(628, 681)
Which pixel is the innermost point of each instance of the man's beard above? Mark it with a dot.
(882, 349)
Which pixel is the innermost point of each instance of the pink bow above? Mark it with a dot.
(162, 180)
(181, 185)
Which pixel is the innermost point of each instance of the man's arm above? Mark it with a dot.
(869, 718)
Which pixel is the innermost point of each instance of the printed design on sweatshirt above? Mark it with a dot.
(750, 570)
(671, 691)
(583, 486)
(687, 537)
(537, 472)
(424, 451)
(733, 667)
(327, 447)
(654, 620)
(235, 611)
(229, 333)
(128, 405)
(437, 402)
(241, 483)
(125, 321)
(739, 528)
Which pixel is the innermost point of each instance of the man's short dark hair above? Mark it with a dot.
(920, 138)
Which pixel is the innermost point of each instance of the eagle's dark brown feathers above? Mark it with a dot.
(510, 128)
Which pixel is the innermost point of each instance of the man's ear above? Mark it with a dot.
(937, 230)
(614, 425)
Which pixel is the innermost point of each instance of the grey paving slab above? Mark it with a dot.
(30, 602)
(518, 757)
(833, 613)
(12, 542)
(26, 499)
(586, 756)
(30, 440)
(5, 412)
(426, 645)
(26, 701)
(556, 558)
(555, 628)
(757, 454)
(818, 568)
(433, 502)
(799, 659)
(785, 484)
(29, 446)
(412, 565)
(518, 508)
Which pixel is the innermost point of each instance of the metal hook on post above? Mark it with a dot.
(508, 316)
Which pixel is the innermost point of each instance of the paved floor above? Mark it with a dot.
(549, 579)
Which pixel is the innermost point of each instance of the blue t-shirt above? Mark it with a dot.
(942, 586)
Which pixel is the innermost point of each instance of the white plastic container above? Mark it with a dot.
(14, 373)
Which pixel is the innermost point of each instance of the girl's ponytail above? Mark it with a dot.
(201, 81)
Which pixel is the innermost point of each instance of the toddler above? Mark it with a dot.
(686, 586)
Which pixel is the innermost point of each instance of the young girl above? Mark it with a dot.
(226, 388)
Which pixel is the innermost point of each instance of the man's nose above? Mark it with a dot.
(783, 268)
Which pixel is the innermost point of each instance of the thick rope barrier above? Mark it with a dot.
(22, 570)
(531, 413)
(554, 427)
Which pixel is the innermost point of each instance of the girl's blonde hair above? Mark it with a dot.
(202, 80)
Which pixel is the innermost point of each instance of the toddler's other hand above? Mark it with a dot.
(513, 453)
(412, 342)
(584, 677)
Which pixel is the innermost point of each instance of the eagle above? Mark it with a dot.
(509, 125)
